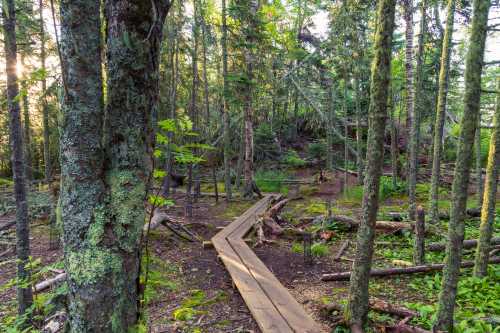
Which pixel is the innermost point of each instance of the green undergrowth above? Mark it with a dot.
(478, 304)
(292, 159)
(318, 249)
(272, 181)
(235, 209)
(209, 187)
(6, 182)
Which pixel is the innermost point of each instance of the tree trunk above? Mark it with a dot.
(225, 105)
(251, 25)
(394, 139)
(24, 293)
(359, 134)
(346, 133)
(473, 69)
(479, 169)
(204, 65)
(357, 309)
(490, 192)
(45, 109)
(410, 110)
(440, 114)
(27, 129)
(105, 167)
(419, 245)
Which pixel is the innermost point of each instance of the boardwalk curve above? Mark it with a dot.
(272, 306)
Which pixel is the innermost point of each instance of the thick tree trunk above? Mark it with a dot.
(24, 293)
(45, 109)
(490, 192)
(473, 69)
(103, 188)
(225, 105)
(410, 110)
(440, 114)
(357, 309)
(250, 22)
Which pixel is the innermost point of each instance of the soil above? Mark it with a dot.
(195, 268)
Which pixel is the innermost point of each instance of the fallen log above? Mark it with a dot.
(471, 212)
(49, 283)
(380, 225)
(344, 276)
(377, 305)
(7, 225)
(467, 244)
(275, 209)
(341, 250)
(161, 218)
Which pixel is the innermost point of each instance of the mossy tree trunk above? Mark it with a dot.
(26, 128)
(456, 226)
(359, 130)
(225, 106)
(24, 293)
(440, 114)
(357, 309)
(490, 192)
(105, 167)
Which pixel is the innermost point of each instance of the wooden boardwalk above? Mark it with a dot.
(270, 303)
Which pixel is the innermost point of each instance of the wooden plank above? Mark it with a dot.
(242, 229)
(262, 309)
(285, 303)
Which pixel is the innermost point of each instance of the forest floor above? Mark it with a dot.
(189, 289)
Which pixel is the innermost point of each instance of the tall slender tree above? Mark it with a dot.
(24, 293)
(225, 106)
(357, 309)
(440, 113)
(490, 193)
(473, 69)
(479, 167)
(45, 109)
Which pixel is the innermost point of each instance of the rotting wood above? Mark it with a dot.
(467, 244)
(377, 305)
(344, 276)
(49, 283)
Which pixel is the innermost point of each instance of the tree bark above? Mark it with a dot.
(473, 69)
(357, 309)
(490, 192)
(105, 167)
(24, 293)
(419, 245)
(479, 169)
(45, 109)
(410, 109)
(225, 106)
(27, 129)
(467, 244)
(440, 113)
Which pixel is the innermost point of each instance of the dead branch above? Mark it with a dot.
(344, 276)
(341, 250)
(49, 283)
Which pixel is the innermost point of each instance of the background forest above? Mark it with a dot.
(376, 123)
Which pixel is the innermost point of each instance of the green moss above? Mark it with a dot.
(91, 265)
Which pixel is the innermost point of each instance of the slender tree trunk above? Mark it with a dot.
(346, 133)
(225, 105)
(394, 138)
(357, 309)
(473, 69)
(205, 76)
(359, 134)
(24, 293)
(45, 109)
(410, 109)
(27, 129)
(479, 169)
(105, 168)
(329, 127)
(490, 192)
(440, 114)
